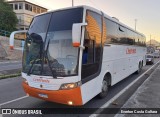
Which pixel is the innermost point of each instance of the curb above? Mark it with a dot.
(98, 111)
(137, 92)
(10, 73)
(9, 76)
(1, 62)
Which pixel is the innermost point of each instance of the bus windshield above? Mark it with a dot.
(48, 49)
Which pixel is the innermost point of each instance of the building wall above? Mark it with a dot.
(6, 53)
(25, 11)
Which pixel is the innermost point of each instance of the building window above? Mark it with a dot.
(19, 19)
(26, 6)
(11, 5)
(30, 7)
(26, 28)
(43, 10)
(20, 5)
(34, 9)
(16, 6)
(38, 10)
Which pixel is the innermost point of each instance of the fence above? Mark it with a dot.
(21, 36)
(4, 33)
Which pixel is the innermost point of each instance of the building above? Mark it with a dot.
(25, 11)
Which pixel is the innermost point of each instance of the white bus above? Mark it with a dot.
(72, 55)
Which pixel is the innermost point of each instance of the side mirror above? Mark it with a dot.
(36, 38)
(12, 38)
(76, 33)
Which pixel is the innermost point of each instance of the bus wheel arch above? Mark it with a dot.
(109, 78)
(106, 83)
(139, 67)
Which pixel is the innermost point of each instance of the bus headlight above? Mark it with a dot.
(70, 85)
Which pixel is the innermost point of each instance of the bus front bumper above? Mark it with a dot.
(69, 97)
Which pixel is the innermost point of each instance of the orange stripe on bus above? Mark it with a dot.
(76, 44)
(59, 96)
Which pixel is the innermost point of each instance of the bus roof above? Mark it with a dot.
(97, 11)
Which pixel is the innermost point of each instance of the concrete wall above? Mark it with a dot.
(3, 52)
(6, 53)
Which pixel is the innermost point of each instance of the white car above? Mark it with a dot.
(156, 54)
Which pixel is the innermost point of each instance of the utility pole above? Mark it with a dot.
(150, 40)
(135, 24)
(72, 3)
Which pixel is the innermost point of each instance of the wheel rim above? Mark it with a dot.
(104, 86)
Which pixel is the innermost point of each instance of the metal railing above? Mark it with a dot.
(4, 33)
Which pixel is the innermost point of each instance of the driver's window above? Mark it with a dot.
(88, 52)
(93, 45)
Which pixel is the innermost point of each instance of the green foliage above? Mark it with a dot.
(8, 19)
(10, 75)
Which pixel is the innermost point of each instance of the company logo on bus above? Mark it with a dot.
(130, 51)
(41, 80)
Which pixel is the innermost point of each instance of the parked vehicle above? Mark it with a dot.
(156, 54)
(149, 59)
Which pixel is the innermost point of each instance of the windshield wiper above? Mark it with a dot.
(54, 73)
(35, 38)
(42, 55)
(29, 71)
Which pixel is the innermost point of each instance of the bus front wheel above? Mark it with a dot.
(104, 89)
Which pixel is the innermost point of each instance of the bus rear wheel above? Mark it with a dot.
(104, 89)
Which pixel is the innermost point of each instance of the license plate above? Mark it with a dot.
(43, 95)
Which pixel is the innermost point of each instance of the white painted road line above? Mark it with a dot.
(13, 100)
(120, 93)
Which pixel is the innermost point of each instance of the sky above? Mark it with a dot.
(146, 12)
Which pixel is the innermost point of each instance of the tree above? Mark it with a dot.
(8, 19)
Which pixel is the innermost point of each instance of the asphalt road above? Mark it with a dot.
(10, 65)
(11, 89)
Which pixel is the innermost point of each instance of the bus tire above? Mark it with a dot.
(139, 68)
(104, 89)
